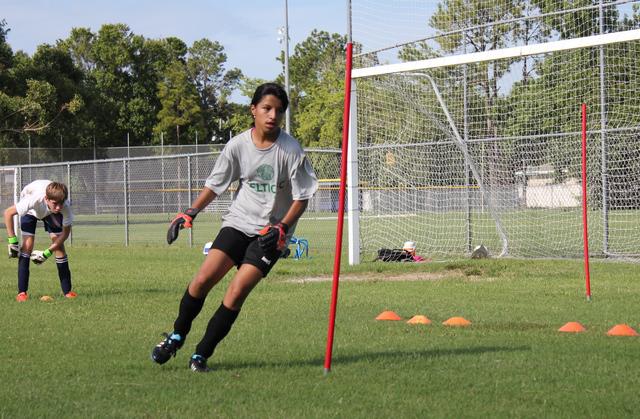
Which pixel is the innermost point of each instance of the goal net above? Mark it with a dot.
(466, 127)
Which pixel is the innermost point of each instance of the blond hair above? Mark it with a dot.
(57, 191)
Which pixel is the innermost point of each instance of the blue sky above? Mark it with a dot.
(246, 28)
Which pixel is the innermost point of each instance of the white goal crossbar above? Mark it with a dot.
(521, 51)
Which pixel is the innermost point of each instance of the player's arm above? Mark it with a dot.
(13, 246)
(185, 219)
(40, 256)
(273, 237)
(204, 198)
(60, 239)
(295, 212)
(9, 213)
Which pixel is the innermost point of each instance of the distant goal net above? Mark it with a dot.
(471, 134)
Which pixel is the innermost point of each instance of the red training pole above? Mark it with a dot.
(585, 232)
(341, 199)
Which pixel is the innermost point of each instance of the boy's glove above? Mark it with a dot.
(182, 220)
(13, 247)
(39, 257)
(273, 237)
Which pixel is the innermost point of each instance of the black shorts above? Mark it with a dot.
(52, 224)
(244, 249)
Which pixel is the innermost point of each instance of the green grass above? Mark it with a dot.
(89, 357)
(438, 234)
(151, 229)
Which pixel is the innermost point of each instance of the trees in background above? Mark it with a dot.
(111, 86)
(38, 93)
(316, 73)
(115, 87)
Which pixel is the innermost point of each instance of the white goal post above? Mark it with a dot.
(443, 154)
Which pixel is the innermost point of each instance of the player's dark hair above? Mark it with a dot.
(271, 89)
(57, 191)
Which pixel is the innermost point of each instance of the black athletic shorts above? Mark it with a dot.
(52, 224)
(244, 249)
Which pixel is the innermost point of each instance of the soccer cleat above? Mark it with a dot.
(198, 363)
(166, 349)
(22, 297)
(71, 294)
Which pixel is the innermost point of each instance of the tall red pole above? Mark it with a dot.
(585, 231)
(341, 199)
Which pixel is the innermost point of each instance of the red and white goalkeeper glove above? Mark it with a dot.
(273, 237)
(182, 220)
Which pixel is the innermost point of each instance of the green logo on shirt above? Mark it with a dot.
(265, 172)
(266, 187)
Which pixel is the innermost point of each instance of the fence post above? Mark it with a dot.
(189, 196)
(162, 169)
(126, 202)
(17, 178)
(95, 180)
(197, 167)
(69, 197)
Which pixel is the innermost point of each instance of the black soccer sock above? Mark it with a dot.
(217, 329)
(64, 274)
(189, 309)
(23, 272)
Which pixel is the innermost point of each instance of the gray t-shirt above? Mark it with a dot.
(269, 179)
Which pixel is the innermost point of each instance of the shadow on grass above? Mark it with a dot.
(400, 356)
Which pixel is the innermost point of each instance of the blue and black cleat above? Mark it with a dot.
(167, 348)
(198, 363)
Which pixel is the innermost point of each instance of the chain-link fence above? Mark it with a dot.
(131, 200)
(13, 156)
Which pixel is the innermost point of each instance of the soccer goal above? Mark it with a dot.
(472, 135)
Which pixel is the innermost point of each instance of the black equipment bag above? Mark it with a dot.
(394, 255)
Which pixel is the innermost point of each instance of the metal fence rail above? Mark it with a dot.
(131, 200)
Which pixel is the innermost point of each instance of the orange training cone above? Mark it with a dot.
(622, 330)
(388, 315)
(418, 319)
(572, 327)
(457, 321)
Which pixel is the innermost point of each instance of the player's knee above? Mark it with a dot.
(201, 285)
(234, 301)
(237, 293)
(27, 244)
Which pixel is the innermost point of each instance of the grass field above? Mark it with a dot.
(151, 229)
(89, 357)
(438, 234)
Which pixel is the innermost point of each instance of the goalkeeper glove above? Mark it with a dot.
(39, 257)
(13, 247)
(182, 220)
(273, 237)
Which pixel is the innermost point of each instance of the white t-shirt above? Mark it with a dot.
(269, 181)
(32, 201)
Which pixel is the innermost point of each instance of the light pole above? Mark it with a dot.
(283, 35)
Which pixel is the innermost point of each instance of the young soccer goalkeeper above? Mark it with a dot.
(276, 181)
(47, 201)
